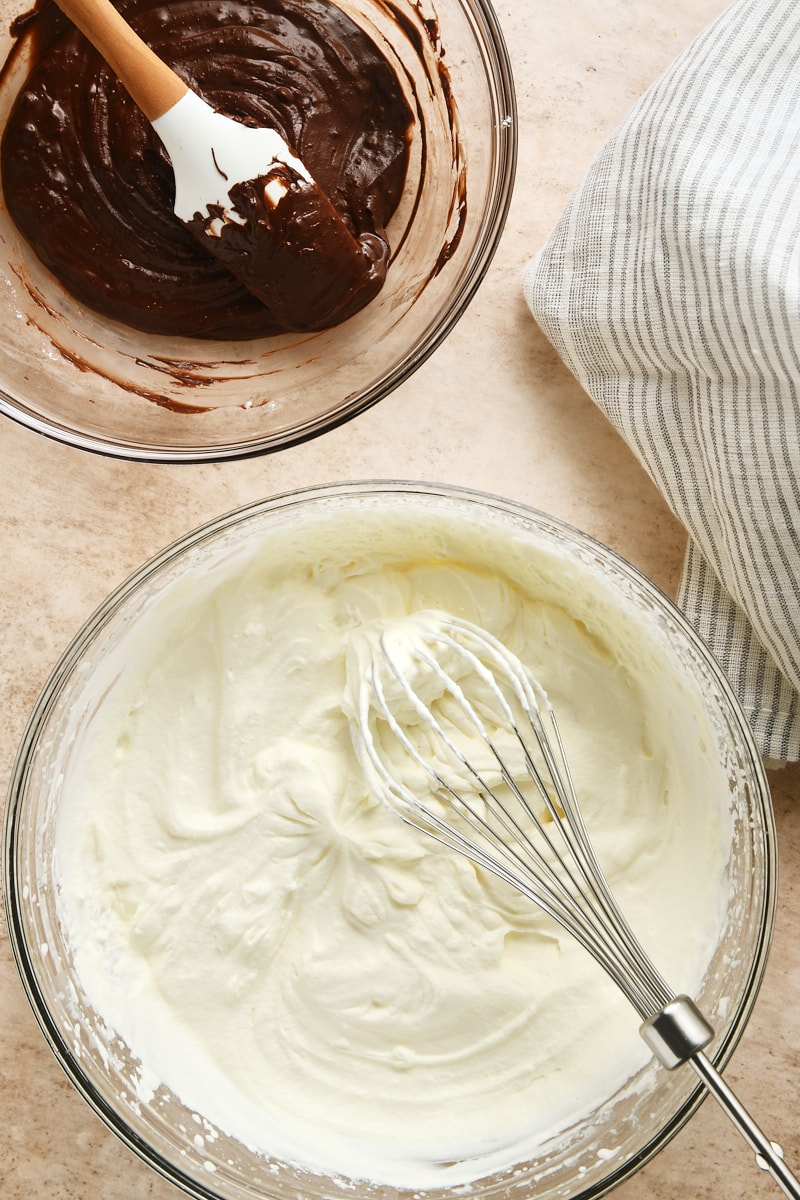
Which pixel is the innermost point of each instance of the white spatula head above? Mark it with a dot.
(210, 154)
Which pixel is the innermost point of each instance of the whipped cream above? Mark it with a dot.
(313, 976)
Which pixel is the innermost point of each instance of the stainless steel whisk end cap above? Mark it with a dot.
(677, 1032)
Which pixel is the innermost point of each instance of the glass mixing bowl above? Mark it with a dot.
(92, 383)
(599, 1152)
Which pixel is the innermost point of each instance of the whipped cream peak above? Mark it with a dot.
(438, 705)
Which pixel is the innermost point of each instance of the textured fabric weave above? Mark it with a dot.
(671, 289)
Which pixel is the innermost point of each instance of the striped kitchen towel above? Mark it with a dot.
(671, 289)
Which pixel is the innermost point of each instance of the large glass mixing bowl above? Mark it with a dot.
(95, 384)
(599, 1152)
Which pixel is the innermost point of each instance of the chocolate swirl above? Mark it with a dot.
(90, 187)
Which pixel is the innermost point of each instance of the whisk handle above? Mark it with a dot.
(769, 1156)
(678, 1034)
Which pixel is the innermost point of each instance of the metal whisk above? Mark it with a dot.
(422, 693)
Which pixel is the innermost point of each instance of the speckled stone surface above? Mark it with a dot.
(494, 409)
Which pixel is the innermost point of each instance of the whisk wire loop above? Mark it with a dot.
(552, 863)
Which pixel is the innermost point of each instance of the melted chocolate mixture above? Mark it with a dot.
(90, 187)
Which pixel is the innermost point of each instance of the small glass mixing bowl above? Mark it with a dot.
(597, 1153)
(92, 383)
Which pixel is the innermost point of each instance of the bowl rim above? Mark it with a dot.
(207, 531)
(482, 16)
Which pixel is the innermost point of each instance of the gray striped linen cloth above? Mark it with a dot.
(671, 289)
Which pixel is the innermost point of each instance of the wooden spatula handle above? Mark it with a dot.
(153, 85)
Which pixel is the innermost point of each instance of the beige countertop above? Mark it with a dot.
(493, 409)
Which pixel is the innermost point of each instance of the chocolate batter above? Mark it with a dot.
(89, 185)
